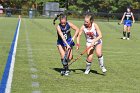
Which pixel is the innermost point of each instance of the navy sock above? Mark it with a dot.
(128, 34)
(65, 66)
(124, 33)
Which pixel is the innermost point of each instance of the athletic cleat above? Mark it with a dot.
(124, 38)
(128, 38)
(103, 69)
(87, 71)
(66, 73)
(62, 73)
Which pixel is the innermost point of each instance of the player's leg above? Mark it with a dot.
(64, 52)
(124, 31)
(128, 32)
(70, 56)
(89, 59)
(61, 50)
(100, 57)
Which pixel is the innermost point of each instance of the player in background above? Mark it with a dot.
(93, 39)
(65, 40)
(127, 20)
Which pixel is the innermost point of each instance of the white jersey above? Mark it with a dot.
(91, 34)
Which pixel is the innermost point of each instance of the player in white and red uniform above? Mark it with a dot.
(90, 35)
(93, 39)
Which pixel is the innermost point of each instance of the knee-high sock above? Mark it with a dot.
(101, 61)
(128, 34)
(124, 33)
(65, 66)
(88, 65)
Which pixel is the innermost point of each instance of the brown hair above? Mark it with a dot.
(62, 16)
(90, 17)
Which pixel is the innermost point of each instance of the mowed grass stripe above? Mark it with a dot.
(122, 75)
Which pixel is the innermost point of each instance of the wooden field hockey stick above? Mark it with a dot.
(74, 60)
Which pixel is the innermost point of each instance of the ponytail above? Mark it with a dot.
(56, 18)
(61, 15)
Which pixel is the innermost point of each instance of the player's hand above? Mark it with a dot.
(77, 46)
(93, 43)
(133, 21)
(68, 47)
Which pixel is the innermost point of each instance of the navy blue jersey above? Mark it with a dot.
(128, 16)
(65, 30)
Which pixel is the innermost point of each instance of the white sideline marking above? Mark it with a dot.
(33, 76)
(36, 92)
(33, 69)
(35, 84)
(32, 64)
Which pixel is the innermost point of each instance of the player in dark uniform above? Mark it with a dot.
(65, 40)
(127, 18)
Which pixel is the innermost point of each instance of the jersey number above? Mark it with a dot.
(90, 35)
(65, 35)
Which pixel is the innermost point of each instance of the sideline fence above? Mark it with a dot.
(34, 13)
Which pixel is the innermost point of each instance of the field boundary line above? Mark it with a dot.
(5, 85)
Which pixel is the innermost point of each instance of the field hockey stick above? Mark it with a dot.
(67, 53)
(66, 56)
(74, 60)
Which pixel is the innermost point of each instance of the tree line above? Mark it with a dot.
(107, 6)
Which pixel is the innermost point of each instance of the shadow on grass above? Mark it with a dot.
(74, 70)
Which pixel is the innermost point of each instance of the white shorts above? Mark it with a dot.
(96, 43)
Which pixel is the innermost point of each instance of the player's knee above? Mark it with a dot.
(128, 30)
(124, 30)
(100, 56)
(89, 60)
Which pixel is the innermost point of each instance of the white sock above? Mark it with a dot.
(88, 65)
(101, 61)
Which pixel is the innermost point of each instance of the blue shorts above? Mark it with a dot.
(127, 22)
(60, 42)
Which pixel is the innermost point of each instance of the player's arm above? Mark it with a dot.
(133, 18)
(99, 34)
(76, 30)
(79, 35)
(62, 36)
(122, 18)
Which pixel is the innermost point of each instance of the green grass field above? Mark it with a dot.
(37, 65)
